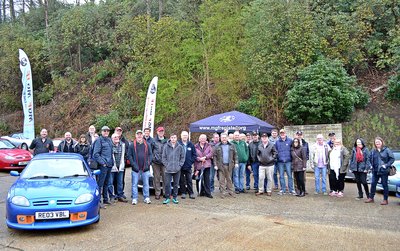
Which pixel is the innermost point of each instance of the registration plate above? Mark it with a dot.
(23, 163)
(52, 215)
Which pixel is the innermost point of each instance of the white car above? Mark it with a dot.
(19, 140)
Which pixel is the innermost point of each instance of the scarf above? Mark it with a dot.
(359, 155)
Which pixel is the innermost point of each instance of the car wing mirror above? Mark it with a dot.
(96, 172)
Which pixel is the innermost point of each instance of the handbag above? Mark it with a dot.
(392, 170)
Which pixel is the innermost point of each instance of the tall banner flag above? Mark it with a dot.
(27, 95)
(150, 108)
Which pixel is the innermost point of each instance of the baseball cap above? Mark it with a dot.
(264, 135)
(255, 133)
(299, 133)
(105, 128)
(139, 131)
(331, 134)
(248, 134)
(160, 128)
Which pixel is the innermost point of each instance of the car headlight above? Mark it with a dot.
(84, 198)
(20, 201)
(9, 157)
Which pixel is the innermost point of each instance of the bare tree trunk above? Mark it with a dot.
(1, 12)
(160, 9)
(148, 12)
(46, 17)
(79, 57)
(12, 10)
(23, 11)
(4, 10)
(207, 81)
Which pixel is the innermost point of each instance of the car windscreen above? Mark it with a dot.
(54, 168)
(4, 144)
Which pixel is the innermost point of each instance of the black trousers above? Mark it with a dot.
(299, 176)
(361, 179)
(336, 184)
(185, 183)
(205, 183)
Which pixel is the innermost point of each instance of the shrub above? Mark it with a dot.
(324, 93)
(393, 92)
(111, 120)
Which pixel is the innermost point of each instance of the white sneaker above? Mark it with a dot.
(134, 201)
(147, 201)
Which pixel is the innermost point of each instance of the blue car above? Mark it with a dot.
(398, 190)
(55, 190)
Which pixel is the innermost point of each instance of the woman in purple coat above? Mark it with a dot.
(202, 166)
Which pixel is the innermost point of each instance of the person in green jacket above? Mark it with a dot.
(243, 156)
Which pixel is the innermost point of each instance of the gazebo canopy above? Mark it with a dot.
(231, 121)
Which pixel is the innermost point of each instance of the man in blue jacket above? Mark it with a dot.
(102, 154)
(185, 182)
(283, 146)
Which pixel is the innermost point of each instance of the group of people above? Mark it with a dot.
(232, 158)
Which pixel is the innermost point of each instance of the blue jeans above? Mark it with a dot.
(254, 168)
(276, 169)
(119, 176)
(285, 167)
(384, 182)
(103, 181)
(317, 172)
(145, 176)
(238, 177)
(212, 175)
(248, 174)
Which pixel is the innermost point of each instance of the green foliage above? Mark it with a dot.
(4, 128)
(111, 120)
(362, 98)
(393, 92)
(324, 93)
(280, 39)
(45, 95)
(368, 126)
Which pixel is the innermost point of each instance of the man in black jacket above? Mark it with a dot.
(158, 167)
(185, 182)
(140, 156)
(253, 160)
(266, 155)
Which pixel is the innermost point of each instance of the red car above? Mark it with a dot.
(11, 157)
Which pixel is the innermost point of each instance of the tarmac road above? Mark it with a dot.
(246, 222)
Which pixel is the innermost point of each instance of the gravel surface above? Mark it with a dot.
(247, 222)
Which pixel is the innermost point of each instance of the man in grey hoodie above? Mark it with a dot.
(173, 158)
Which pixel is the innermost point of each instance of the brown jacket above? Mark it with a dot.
(233, 157)
(299, 159)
